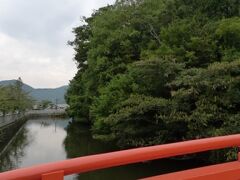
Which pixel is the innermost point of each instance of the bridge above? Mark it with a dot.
(46, 112)
(13, 118)
(57, 170)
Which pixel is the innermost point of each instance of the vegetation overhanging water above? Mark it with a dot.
(46, 140)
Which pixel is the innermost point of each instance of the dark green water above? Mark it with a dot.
(47, 140)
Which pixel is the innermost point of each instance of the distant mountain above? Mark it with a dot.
(26, 87)
(51, 94)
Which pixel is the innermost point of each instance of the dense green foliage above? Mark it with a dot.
(14, 99)
(157, 71)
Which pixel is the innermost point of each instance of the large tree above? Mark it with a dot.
(14, 99)
(157, 71)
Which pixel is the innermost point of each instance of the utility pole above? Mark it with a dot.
(56, 103)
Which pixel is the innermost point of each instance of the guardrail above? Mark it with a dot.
(57, 170)
(46, 112)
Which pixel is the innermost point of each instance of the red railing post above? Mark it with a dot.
(238, 153)
(59, 175)
(57, 170)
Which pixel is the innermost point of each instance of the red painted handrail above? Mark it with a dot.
(56, 170)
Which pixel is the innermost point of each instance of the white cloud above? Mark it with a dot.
(34, 64)
(33, 38)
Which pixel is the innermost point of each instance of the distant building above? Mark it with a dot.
(62, 106)
(37, 107)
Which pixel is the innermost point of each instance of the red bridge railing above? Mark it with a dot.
(57, 170)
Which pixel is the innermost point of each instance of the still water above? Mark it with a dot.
(47, 140)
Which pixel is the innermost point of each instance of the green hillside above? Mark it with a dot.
(42, 94)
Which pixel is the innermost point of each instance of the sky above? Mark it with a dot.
(33, 39)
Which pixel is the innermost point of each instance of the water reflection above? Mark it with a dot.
(12, 157)
(48, 140)
(40, 141)
(79, 142)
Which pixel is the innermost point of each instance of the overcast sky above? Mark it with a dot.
(33, 39)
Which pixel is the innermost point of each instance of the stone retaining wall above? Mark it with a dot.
(8, 131)
(10, 124)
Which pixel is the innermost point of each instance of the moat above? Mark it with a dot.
(45, 140)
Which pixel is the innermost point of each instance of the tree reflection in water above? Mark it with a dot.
(79, 142)
(50, 140)
(15, 152)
